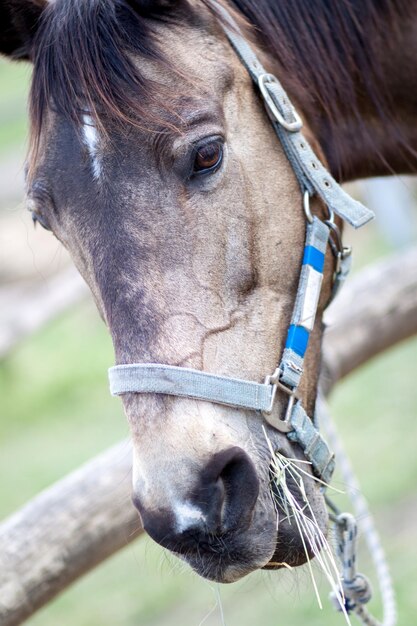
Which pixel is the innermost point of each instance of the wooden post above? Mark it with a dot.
(376, 310)
(24, 309)
(64, 532)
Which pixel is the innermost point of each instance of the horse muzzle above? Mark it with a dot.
(211, 524)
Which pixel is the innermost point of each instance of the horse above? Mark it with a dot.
(152, 160)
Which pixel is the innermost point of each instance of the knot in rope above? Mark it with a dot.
(358, 590)
(356, 587)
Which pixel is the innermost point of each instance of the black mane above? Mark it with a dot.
(327, 50)
(327, 47)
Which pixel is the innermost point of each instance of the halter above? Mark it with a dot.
(314, 179)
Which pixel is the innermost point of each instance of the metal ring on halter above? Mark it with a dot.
(292, 127)
(306, 204)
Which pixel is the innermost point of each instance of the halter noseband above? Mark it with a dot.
(313, 179)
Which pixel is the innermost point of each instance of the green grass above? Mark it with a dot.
(55, 408)
(376, 409)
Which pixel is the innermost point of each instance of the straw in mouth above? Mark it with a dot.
(289, 475)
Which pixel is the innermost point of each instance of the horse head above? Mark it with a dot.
(154, 163)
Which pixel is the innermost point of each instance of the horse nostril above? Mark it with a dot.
(234, 476)
(223, 499)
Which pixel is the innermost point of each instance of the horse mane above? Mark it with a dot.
(327, 48)
(84, 57)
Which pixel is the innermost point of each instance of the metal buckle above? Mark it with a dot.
(284, 426)
(292, 127)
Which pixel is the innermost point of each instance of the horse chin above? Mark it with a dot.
(229, 570)
(285, 549)
(289, 555)
(235, 555)
(291, 549)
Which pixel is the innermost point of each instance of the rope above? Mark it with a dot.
(356, 586)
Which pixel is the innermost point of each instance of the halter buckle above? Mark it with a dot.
(284, 426)
(292, 127)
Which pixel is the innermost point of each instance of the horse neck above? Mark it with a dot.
(384, 142)
(350, 69)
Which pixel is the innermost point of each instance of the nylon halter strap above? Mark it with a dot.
(313, 179)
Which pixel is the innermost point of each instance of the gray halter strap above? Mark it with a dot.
(313, 179)
(311, 174)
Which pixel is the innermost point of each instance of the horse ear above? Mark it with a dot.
(19, 21)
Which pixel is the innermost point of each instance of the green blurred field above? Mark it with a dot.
(55, 413)
(13, 89)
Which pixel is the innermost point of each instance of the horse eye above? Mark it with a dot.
(208, 157)
(37, 219)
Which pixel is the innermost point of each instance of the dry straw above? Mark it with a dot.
(297, 510)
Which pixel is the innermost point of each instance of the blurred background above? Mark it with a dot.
(56, 413)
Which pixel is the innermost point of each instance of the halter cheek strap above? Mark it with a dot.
(251, 395)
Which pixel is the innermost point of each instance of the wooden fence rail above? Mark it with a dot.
(84, 518)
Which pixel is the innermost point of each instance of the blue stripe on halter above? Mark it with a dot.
(314, 257)
(297, 339)
(298, 335)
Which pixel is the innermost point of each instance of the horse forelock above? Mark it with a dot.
(85, 69)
